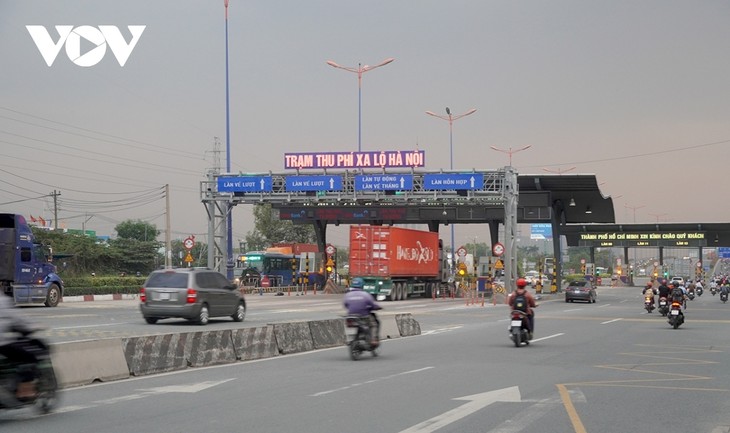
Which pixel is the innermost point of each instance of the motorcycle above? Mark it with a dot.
(699, 291)
(649, 303)
(663, 306)
(723, 297)
(43, 375)
(713, 290)
(519, 328)
(359, 336)
(676, 317)
(691, 294)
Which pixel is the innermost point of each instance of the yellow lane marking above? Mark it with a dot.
(572, 413)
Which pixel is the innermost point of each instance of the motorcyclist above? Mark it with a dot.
(11, 323)
(361, 303)
(649, 290)
(678, 293)
(664, 290)
(521, 290)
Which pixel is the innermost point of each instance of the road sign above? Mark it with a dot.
(384, 182)
(723, 252)
(460, 181)
(499, 264)
(330, 249)
(314, 183)
(461, 252)
(245, 184)
(189, 258)
(582, 261)
(189, 243)
(498, 249)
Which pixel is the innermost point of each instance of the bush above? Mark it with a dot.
(106, 285)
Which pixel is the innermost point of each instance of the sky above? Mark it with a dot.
(636, 92)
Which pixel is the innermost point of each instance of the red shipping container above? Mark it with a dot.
(380, 251)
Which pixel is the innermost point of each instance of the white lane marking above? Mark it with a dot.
(549, 336)
(90, 326)
(604, 305)
(525, 418)
(330, 391)
(441, 330)
(475, 403)
(572, 309)
(611, 321)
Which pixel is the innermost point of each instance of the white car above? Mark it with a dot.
(678, 280)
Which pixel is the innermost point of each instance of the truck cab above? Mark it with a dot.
(26, 270)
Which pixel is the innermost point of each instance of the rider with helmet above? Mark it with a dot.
(521, 291)
(12, 322)
(361, 303)
(650, 291)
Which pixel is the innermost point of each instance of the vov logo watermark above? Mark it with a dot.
(100, 37)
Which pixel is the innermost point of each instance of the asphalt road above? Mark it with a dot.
(604, 367)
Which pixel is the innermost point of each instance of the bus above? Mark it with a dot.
(281, 269)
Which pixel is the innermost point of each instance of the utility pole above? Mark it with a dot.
(55, 195)
(168, 238)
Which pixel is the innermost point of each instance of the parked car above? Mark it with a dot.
(196, 294)
(580, 291)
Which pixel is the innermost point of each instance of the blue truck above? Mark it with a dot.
(26, 271)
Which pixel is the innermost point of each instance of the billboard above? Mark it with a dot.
(541, 231)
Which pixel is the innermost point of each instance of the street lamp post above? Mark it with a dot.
(359, 71)
(634, 208)
(451, 118)
(510, 152)
(229, 207)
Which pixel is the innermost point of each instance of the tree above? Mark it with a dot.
(269, 229)
(137, 229)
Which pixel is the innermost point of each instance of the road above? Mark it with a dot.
(603, 367)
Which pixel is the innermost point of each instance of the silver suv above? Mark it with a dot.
(190, 293)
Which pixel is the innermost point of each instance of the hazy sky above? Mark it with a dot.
(634, 91)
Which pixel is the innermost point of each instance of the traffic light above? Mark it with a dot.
(331, 265)
(666, 274)
(462, 272)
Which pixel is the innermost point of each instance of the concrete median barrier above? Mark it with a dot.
(255, 343)
(210, 348)
(407, 325)
(84, 362)
(327, 333)
(160, 353)
(293, 337)
(388, 327)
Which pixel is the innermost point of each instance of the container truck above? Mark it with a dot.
(26, 271)
(396, 262)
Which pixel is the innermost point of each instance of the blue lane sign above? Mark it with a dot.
(453, 181)
(383, 182)
(245, 184)
(314, 183)
(723, 252)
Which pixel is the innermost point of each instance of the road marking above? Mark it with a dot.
(572, 413)
(441, 330)
(330, 391)
(604, 305)
(573, 309)
(189, 389)
(476, 402)
(611, 321)
(525, 417)
(548, 337)
(90, 326)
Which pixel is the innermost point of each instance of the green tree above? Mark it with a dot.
(269, 229)
(137, 229)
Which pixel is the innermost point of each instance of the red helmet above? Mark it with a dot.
(521, 282)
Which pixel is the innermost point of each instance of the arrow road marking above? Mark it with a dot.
(476, 402)
(190, 389)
